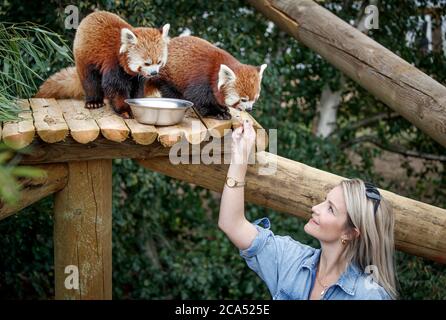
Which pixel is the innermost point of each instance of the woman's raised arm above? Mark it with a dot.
(231, 219)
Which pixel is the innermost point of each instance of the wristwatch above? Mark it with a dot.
(231, 182)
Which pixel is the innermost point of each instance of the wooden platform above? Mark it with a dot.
(54, 120)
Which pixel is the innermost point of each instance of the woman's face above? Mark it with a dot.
(329, 218)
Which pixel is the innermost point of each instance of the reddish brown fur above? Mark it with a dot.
(96, 45)
(195, 60)
(62, 85)
(101, 47)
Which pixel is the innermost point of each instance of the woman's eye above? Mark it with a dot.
(331, 209)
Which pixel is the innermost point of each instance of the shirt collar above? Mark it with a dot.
(347, 281)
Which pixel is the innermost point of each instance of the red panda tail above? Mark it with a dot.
(62, 85)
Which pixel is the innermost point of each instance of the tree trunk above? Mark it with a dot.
(404, 88)
(83, 232)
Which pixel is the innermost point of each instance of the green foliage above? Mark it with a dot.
(25, 51)
(34, 45)
(9, 172)
(166, 243)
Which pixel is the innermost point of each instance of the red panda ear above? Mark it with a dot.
(164, 30)
(225, 75)
(261, 69)
(127, 38)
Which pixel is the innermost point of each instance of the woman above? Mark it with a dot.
(354, 226)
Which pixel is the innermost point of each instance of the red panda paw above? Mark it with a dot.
(125, 115)
(223, 116)
(94, 104)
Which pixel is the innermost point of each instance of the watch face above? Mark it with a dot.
(231, 182)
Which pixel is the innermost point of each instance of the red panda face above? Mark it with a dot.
(146, 49)
(241, 89)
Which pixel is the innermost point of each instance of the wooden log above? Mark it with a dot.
(83, 127)
(33, 190)
(19, 134)
(112, 125)
(144, 134)
(101, 148)
(420, 229)
(410, 92)
(83, 232)
(48, 120)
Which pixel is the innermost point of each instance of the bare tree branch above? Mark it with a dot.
(393, 148)
(368, 121)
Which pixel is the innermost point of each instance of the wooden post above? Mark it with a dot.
(401, 86)
(83, 232)
(292, 187)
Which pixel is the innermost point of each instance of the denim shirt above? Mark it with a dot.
(288, 268)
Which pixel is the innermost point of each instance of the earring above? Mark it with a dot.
(343, 241)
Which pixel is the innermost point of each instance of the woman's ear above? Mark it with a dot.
(351, 234)
(356, 233)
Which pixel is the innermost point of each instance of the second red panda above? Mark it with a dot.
(208, 76)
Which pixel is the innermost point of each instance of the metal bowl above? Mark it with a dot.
(159, 111)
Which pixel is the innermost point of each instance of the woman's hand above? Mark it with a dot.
(243, 140)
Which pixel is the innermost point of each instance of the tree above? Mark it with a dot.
(173, 249)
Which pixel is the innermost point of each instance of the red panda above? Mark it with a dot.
(112, 60)
(208, 76)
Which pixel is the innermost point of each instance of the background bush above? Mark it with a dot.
(166, 243)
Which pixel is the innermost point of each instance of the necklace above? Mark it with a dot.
(325, 286)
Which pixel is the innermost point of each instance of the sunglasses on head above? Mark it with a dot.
(372, 193)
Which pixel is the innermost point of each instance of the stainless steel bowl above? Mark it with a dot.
(159, 111)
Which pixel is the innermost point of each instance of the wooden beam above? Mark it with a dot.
(33, 190)
(410, 92)
(83, 232)
(101, 148)
(420, 229)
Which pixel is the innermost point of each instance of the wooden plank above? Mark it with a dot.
(48, 120)
(169, 135)
(18, 134)
(144, 134)
(190, 128)
(35, 189)
(400, 85)
(293, 187)
(216, 127)
(112, 125)
(83, 128)
(83, 231)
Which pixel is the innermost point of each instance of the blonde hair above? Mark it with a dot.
(375, 244)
